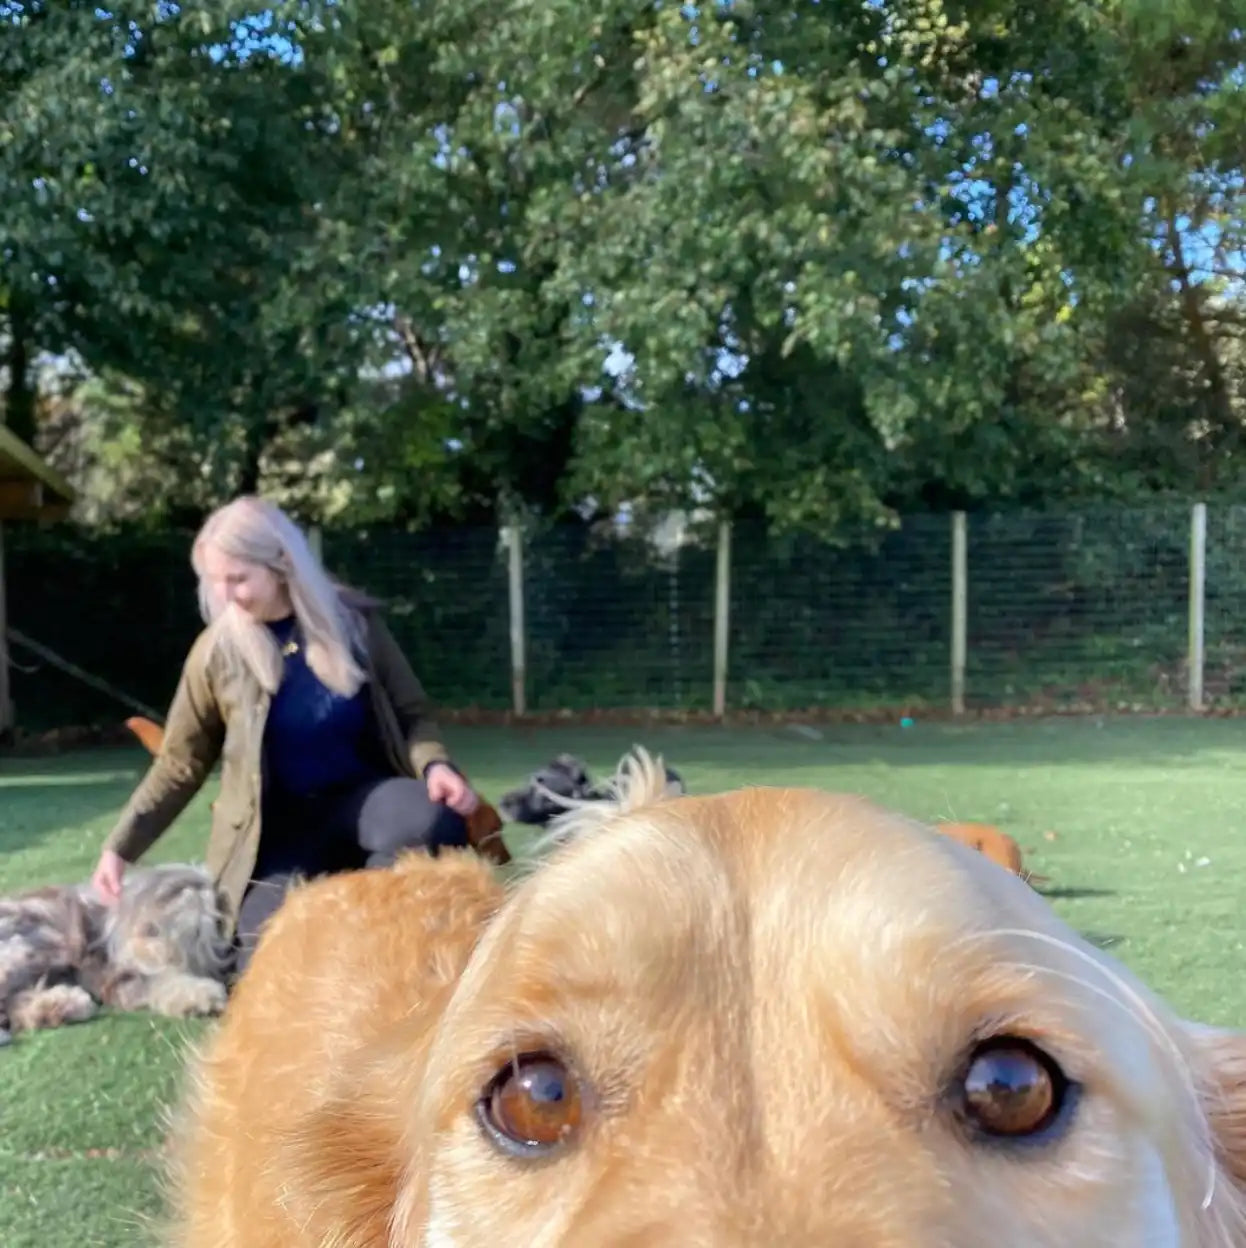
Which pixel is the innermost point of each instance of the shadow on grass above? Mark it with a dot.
(42, 797)
(1072, 893)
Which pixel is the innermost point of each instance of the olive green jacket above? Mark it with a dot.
(217, 716)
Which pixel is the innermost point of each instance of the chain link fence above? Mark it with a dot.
(1063, 610)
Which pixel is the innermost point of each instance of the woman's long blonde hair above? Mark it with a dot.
(256, 531)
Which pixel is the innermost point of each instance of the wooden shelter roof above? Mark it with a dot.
(29, 488)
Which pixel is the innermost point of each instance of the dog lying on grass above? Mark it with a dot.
(704, 1022)
(64, 953)
(559, 785)
(988, 840)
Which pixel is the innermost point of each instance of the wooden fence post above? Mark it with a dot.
(722, 617)
(960, 609)
(1198, 587)
(7, 723)
(512, 536)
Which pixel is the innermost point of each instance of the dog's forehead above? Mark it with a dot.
(674, 880)
(813, 892)
(169, 883)
(773, 843)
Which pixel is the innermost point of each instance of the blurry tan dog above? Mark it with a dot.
(769, 1017)
(987, 839)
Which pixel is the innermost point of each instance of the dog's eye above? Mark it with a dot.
(531, 1105)
(1012, 1089)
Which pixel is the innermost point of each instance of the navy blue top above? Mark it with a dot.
(316, 739)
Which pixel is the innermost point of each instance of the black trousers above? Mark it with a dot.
(366, 826)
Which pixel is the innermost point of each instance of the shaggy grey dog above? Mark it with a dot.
(64, 953)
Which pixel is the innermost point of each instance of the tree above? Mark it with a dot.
(813, 267)
(842, 265)
(157, 167)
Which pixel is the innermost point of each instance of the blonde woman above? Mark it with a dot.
(329, 760)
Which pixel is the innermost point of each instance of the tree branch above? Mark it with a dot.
(1196, 323)
(424, 359)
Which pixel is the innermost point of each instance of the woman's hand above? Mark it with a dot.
(446, 785)
(108, 875)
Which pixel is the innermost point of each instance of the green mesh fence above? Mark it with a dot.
(122, 608)
(1224, 670)
(1063, 609)
(612, 622)
(447, 604)
(1069, 608)
(814, 625)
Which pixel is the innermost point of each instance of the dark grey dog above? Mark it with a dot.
(564, 776)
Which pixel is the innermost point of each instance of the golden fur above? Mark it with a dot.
(767, 1005)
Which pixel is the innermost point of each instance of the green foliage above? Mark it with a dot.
(154, 189)
(475, 258)
(852, 264)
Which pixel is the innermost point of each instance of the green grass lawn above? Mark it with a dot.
(1140, 825)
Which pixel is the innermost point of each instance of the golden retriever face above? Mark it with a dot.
(771, 1017)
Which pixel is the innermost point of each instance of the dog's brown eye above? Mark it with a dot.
(1013, 1089)
(532, 1104)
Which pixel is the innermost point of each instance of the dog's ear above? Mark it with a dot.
(1217, 1063)
(1220, 1071)
(484, 833)
(346, 1162)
